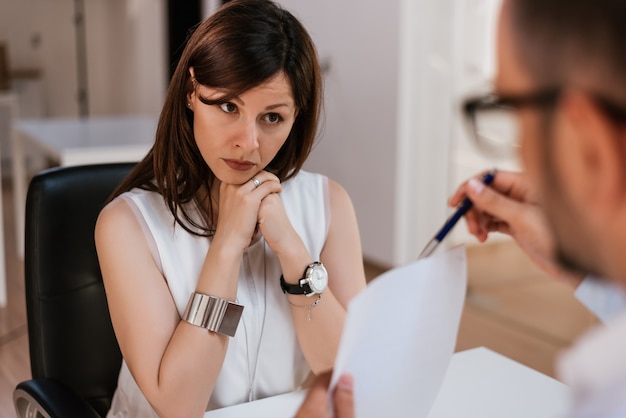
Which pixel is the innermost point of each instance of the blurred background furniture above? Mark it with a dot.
(8, 114)
(74, 355)
(74, 141)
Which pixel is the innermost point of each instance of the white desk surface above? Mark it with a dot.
(75, 141)
(479, 384)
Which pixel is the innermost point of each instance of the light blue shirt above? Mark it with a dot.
(595, 367)
(602, 297)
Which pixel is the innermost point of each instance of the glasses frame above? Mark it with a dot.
(492, 101)
(545, 98)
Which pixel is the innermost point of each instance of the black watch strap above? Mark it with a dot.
(294, 289)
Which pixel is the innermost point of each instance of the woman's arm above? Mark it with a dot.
(174, 363)
(319, 333)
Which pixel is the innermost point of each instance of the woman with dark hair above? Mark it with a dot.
(227, 268)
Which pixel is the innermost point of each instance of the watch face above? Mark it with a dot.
(318, 279)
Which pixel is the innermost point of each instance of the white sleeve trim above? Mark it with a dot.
(605, 299)
(327, 214)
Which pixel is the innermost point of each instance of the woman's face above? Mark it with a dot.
(239, 138)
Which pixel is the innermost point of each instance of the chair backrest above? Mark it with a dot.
(70, 334)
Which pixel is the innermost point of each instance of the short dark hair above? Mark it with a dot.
(242, 45)
(573, 42)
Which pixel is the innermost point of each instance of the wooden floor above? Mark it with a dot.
(14, 362)
(516, 310)
(511, 308)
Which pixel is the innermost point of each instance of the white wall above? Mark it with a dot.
(358, 40)
(127, 60)
(388, 109)
(18, 24)
(40, 35)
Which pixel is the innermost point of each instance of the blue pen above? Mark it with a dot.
(462, 209)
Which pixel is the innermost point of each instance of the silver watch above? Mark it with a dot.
(313, 282)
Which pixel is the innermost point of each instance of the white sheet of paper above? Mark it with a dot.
(400, 334)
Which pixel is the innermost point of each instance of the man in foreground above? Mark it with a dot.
(561, 78)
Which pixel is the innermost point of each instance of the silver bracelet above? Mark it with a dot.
(213, 313)
(309, 306)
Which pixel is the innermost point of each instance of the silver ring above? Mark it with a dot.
(256, 182)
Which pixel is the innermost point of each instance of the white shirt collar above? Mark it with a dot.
(595, 370)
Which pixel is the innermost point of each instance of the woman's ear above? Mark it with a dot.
(191, 93)
(190, 100)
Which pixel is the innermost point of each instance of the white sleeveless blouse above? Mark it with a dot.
(263, 358)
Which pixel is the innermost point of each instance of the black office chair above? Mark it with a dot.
(74, 356)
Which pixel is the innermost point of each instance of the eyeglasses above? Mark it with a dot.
(492, 119)
(494, 125)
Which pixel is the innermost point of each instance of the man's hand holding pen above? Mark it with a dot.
(511, 207)
(462, 206)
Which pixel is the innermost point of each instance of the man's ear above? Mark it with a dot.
(602, 144)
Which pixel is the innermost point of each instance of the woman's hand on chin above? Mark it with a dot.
(239, 209)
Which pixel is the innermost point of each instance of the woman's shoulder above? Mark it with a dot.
(117, 216)
(123, 208)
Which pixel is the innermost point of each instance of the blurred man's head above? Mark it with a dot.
(570, 58)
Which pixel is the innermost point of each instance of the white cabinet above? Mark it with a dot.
(126, 53)
(8, 113)
(24, 100)
(30, 97)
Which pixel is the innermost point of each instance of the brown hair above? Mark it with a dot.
(573, 43)
(242, 45)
